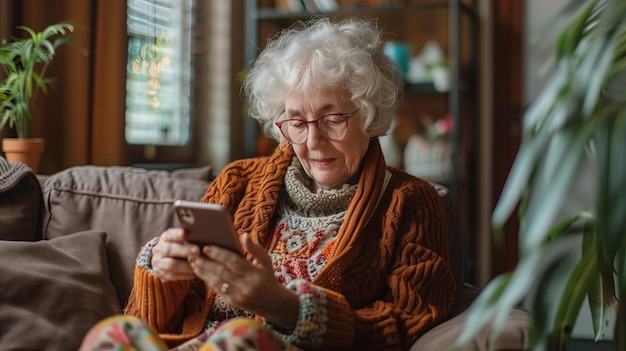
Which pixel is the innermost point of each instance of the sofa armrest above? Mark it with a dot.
(513, 336)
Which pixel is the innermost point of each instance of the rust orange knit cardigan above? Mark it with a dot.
(388, 279)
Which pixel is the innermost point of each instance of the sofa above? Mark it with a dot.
(68, 242)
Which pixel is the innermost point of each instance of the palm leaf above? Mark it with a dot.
(554, 176)
(548, 291)
(579, 284)
(570, 38)
(522, 169)
(563, 226)
(598, 288)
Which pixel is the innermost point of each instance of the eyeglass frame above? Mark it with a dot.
(346, 117)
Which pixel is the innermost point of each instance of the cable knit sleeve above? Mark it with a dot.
(313, 321)
(176, 310)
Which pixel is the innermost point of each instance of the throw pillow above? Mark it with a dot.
(53, 291)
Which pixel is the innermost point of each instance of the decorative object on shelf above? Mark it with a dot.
(400, 53)
(430, 67)
(569, 252)
(289, 5)
(391, 149)
(429, 152)
(25, 62)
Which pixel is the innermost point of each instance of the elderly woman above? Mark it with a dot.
(342, 251)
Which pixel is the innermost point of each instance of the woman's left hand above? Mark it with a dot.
(251, 286)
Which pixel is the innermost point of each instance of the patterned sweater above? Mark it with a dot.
(387, 278)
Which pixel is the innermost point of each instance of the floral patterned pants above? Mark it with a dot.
(124, 333)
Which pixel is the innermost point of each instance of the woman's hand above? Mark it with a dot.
(251, 286)
(169, 256)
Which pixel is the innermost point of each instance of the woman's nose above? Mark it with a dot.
(314, 137)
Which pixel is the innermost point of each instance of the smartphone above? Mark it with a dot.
(207, 224)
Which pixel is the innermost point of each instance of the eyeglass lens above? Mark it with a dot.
(332, 127)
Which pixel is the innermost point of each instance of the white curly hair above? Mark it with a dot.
(319, 54)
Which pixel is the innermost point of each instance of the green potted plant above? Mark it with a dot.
(24, 62)
(569, 252)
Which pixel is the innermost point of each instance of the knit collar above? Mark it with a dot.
(323, 202)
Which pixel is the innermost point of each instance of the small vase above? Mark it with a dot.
(428, 159)
(24, 150)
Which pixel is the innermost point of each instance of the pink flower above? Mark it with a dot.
(117, 333)
(444, 125)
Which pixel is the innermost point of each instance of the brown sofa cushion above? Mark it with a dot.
(21, 204)
(131, 205)
(52, 292)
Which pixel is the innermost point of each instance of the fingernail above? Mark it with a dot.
(206, 250)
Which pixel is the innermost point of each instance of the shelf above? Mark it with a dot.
(429, 88)
(274, 14)
(421, 88)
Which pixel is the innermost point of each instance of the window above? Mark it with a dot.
(158, 72)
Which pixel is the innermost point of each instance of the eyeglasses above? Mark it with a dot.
(332, 127)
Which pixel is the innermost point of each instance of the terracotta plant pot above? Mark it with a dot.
(27, 151)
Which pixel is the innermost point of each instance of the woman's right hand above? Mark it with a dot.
(169, 256)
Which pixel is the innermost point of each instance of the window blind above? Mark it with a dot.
(158, 71)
